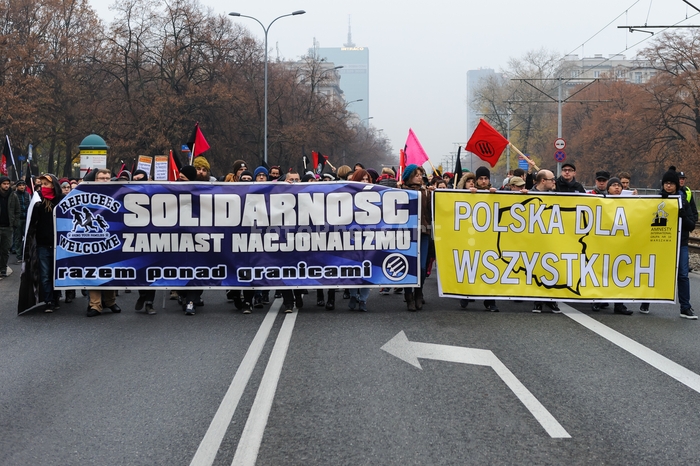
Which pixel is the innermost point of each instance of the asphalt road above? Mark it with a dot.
(134, 389)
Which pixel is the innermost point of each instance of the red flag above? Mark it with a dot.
(3, 165)
(197, 143)
(487, 143)
(173, 171)
(413, 150)
(402, 163)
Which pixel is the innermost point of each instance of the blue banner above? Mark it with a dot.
(236, 235)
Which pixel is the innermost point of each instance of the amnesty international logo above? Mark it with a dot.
(660, 231)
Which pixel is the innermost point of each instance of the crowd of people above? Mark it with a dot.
(14, 204)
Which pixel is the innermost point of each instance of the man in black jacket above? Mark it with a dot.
(567, 183)
(9, 216)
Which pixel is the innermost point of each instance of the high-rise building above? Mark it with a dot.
(354, 74)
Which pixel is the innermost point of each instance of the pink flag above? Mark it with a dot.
(414, 151)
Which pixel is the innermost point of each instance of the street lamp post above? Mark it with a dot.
(266, 29)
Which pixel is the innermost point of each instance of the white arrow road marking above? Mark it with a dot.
(662, 363)
(251, 438)
(206, 453)
(410, 351)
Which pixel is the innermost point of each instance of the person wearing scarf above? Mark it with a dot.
(42, 222)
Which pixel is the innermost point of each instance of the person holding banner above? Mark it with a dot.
(42, 226)
(467, 182)
(566, 183)
(100, 299)
(483, 179)
(358, 296)
(203, 169)
(671, 186)
(261, 174)
(140, 175)
(483, 182)
(146, 297)
(412, 179)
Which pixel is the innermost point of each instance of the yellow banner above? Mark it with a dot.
(554, 246)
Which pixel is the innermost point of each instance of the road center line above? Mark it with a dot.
(206, 453)
(249, 444)
(654, 359)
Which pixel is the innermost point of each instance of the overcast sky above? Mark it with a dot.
(420, 51)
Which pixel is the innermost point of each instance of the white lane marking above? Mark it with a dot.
(410, 351)
(654, 359)
(206, 453)
(249, 444)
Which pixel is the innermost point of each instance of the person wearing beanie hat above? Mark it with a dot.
(203, 169)
(408, 172)
(373, 174)
(139, 175)
(671, 186)
(238, 167)
(124, 175)
(261, 174)
(246, 176)
(483, 179)
(188, 173)
(614, 186)
(566, 183)
(9, 218)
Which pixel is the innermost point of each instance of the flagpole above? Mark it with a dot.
(516, 149)
(192, 152)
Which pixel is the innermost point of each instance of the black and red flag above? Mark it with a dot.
(319, 161)
(7, 161)
(197, 144)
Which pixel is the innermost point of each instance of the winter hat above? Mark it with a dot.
(4, 178)
(408, 172)
(246, 172)
(190, 172)
(612, 181)
(672, 176)
(238, 164)
(201, 162)
(140, 172)
(20, 182)
(124, 175)
(373, 174)
(602, 175)
(482, 171)
(260, 170)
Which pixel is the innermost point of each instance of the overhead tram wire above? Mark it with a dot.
(604, 60)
